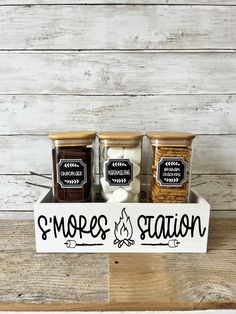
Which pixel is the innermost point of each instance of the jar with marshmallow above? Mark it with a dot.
(120, 166)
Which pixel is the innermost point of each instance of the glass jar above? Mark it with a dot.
(170, 166)
(73, 166)
(120, 166)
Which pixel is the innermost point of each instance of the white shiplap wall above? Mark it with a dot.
(120, 64)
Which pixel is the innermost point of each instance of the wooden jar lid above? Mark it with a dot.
(73, 135)
(170, 135)
(118, 136)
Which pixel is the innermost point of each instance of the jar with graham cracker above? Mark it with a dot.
(170, 166)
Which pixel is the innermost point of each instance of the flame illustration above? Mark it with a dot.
(123, 230)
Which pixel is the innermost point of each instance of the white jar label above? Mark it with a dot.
(119, 172)
(71, 173)
(171, 171)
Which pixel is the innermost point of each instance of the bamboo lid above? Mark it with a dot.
(170, 135)
(73, 135)
(117, 136)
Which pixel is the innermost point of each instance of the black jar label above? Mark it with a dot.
(119, 172)
(171, 171)
(71, 173)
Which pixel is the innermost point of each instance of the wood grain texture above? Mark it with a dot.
(131, 2)
(174, 278)
(126, 27)
(200, 278)
(118, 73)
(222, 235)
(157, 282)
(123, 307)
(16, 215)
(27, 277)
(21, 154)
(163, 312)
(16, 194)
(218, 190)
(43, 113)
(220, 214)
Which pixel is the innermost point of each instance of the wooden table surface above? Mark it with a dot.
(31, 281)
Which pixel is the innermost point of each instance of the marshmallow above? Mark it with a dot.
(136, 170)
(107, 196)
(106, 187)
(133, 154)
(121, 196)
(115, 152)
(128, 187)
(136, 186)
(133, 187)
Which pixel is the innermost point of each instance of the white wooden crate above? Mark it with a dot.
(121, 227)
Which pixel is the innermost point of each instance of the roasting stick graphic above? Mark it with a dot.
(171, 243)
(71, 244)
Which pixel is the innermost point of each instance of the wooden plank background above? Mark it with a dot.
(105, 27)
(117, 73)
(47, 278)
(120, 64)
(90, 2)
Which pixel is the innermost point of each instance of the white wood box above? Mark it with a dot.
(122, 227)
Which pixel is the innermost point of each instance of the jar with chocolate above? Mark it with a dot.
(170, 166)
(120, 166)
(73, 166)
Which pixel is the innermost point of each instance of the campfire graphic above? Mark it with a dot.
(123, 230)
